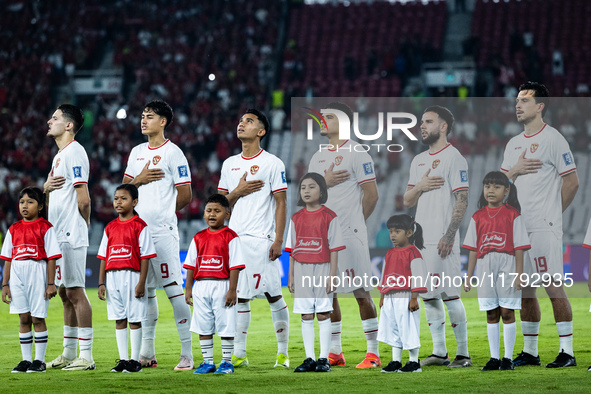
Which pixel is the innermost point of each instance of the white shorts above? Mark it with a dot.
(210, 314)
(398, 326)
(165, 268)
(70, 270)
(121, 301)
(446, 270)
(310, 288)
(544, 258)
(496, 287)
(28, 281)
(260, 274)
(354, 262)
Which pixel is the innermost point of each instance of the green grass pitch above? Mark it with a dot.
(261, 375)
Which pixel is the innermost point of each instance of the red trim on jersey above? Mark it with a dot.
(57, 256)
(502, 169)
(334, 150)
(279, 190)
(80, 183)
(336, 249)
(7, 259)
(410, 185)
(250, 158)
(460, 188)
(587, 246)
(445, 147)
(524, 247)
(66, 146)
(222, 189)
(567, 172)
(367, 180)
(288, 250)
(150, 256)
(529, 136)
(470, 248)
(419, 290)
(238, 267)
(160, 146)
(129, 176)
(183, 183)
(101, 257)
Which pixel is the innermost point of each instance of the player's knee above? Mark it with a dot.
(508, 315)
(38, 321)
(323, 316)
(493, 316)
(308, 316)
(273, 299)
(25, 319)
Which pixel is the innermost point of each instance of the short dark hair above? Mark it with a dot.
(218, 199)
(444, 114)
(319, 179)
(541, 93)
(36, 194)
(262, 118)
(342, 107)
(161, 108)
(73, 114)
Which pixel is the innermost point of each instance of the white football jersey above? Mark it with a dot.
(157, 200)
(254, 214)
(435, 208)
(345, 199)
(71, 162)
(587, 240)
(540, 193)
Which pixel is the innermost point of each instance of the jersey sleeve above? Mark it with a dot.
(6, 253)
(586, 241)
(278, 177)
(235, 254)
(102, 252)
(291, 237)
(508, 160)
(181, 172)
(471, 239)
(520, 238)
(363, 168)
(129, 170)
(562, 156)
(413, 178)
(191, 258)
(52, 248)
(335, 236)
(223, 185)
(147, 248)
(458, 176)
(418, 279)
(78, 167)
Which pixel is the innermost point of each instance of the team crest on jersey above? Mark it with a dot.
(57, 163)
(156, 159)
(254, 170)
(435, 164)
(534, 147)
(338, 160)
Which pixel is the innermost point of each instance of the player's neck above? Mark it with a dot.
(250, 148)
(155, 140)
(438, 145)
(64, 140)
(533, 127)
(335, 141)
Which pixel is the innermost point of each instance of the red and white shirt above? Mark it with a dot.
(500, 230)
(34, 240)
(213, 254)
(254, 214)
(157, 200)
(125, 244)
(435, 207)
(71, 162)
(346, 198)
(540, 192)
(313, 235)
(404, 270)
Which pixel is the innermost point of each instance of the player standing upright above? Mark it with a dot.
(161, 173)
(547, 181)
(352, 195)
(69, 213)
(438, 185)
(259, 216)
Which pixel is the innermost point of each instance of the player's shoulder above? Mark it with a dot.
(139, 221)
(479, 212)
(74, 150)
(550, 132)
(232, 159)
(414, 252)
(231, 234)
(172, 148)
(45, 224)
(421, 156)
(513, 212)
(271, 158)
(138, 149)
(297, 214)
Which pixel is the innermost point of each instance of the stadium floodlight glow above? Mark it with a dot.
(212, 77)
(121, 113)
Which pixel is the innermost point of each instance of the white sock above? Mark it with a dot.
(530, 331)
(26, 339)
(85, 339)
(207, 350)
(324, 332)
(122, 343)
(457, 318)
(149, 326)
(565, 332)
(308, 337)
(413, 355)
(182, 317)
(494, 339)
(370, 328)
(280, 316)
(335, 338)
(70, 342)
(242, 324)
(40, 345)
(136, 342)
(509, 334)
(396, 354)
(227, 349)
(435, 313)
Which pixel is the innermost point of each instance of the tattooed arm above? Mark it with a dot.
(447, 241)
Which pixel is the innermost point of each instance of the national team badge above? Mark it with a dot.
(77, 171)
(57, 163)
(254, 169)
(534, 147)
(435, 164)
(156, 159)
(338, 160)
